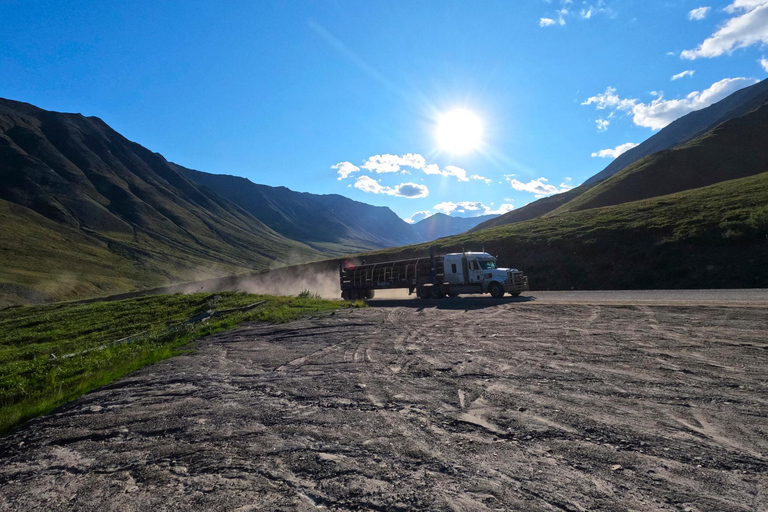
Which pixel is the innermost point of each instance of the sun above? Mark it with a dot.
(459, 131)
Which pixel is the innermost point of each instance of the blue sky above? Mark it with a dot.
(281, 92)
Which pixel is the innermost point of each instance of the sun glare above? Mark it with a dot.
(459, 131)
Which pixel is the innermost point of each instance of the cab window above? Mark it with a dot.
(453, 268)
(475, 266)
(488, 264)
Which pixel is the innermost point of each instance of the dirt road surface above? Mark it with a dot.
(541, 403)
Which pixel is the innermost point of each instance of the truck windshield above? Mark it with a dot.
(487, 264)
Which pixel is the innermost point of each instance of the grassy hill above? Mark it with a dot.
(533, 210)
(673, 171)
(735, 149)
(85, 211)
(710, 237)
(690, 126)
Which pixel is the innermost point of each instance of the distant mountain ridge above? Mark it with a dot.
(441, 225)
(330, 223)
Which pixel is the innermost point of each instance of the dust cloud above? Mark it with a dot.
(281, 281)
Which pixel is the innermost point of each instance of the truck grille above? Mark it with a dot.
(517, 278)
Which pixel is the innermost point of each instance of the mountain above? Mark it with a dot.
(532, 210)
(440, 225)
(690, 126)
(83, 211)
(735, 149)
(330, 223)
(677, 133)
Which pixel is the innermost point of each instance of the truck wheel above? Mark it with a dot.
(369, 294)
(453, 295)
(424, 292)
(496, 290)
(437, 293)
(353, 295)
(344, 295)
(517, 294)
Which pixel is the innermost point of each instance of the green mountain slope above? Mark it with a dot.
(690, 126)
(532, 210)
(710, 237)
(678, 133)
(117, 215)
(735, 149)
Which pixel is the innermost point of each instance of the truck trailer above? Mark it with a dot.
(432, 277)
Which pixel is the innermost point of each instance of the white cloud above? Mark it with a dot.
(344, 169)
(472, 208)
(609, 99)
(660, 112)
(615, 152)
(539, 187)
(764, 63)
(450, 170)
(388, 163)
(393, 163)
(698, 13)
(458, 172)
(748, 27)
(417, 216)
(409, 190)
(591, 10)
(602, 124)
(682, 74)
(588, 11)
(487, 181)
(502, 209)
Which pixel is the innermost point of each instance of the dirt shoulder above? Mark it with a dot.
(482, 405)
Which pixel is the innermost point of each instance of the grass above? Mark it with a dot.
(35, 377)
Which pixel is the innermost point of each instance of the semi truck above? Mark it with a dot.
(432, 277)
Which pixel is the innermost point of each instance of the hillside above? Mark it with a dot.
(690, 126)
(677, 133)
(735, 149)
(85, 211)
(710, 237)
(440, 225)
(329, 223)
(532, 210)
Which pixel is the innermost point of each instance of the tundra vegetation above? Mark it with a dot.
(54, 353)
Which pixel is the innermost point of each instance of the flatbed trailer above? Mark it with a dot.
(432, 277)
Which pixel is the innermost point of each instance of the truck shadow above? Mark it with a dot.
(457, 303)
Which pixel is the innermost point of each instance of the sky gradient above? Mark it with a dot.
(343, 96)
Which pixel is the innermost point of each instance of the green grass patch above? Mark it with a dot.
(36, 377)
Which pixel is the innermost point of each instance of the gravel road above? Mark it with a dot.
(551, 402)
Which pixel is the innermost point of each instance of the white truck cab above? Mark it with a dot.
(470, 269)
